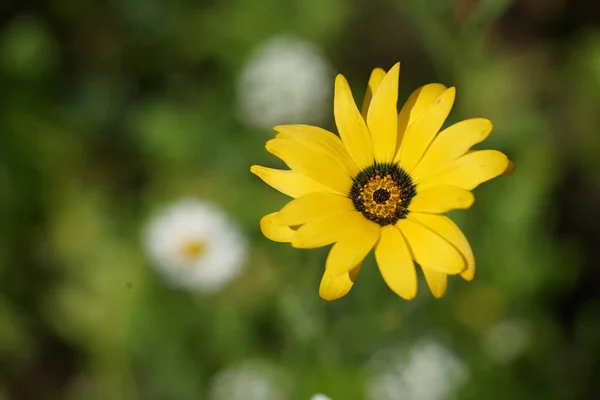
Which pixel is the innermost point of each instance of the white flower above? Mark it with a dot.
(319, 396)
(195, 245)
(427, 371)
(250, 380)
(287, 80)
(506, 341)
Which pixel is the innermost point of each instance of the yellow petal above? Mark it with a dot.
(288, 182)
(418, 102)
(334, 287)
(351, 125)
(447, 229)
(429, 249)
(420, 133)
(374, 81)
(382, 118)
(510, 168)
(311, 207)
(468, 171)
(311, 163)
(437, 282)
(440, 199)
(321, 140)
(353, 247)
(452, 143)
(395, 263)
(276, 233)
(326, 230)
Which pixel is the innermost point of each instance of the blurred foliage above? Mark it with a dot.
(111, 109)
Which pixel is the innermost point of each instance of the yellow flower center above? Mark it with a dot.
(192, 249)
(380, 196)
(382, 193)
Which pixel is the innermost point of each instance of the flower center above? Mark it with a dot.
(192, 249)
(381, 196)
(382, 193)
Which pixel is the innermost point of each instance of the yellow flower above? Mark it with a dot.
(383, 183)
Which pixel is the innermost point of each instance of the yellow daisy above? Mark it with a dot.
(383, 183)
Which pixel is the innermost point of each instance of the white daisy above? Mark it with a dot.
(195, 245)
(505, 341)
(427, 371)
(319, 396)
(250, 380)
(287, 80)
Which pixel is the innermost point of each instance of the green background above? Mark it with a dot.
(112, 109)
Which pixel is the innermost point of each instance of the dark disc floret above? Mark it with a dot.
(381, 196)
(382, 192)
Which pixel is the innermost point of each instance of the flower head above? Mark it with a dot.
(285, 80)
(193, 244)
(250, 380)
(427, 371)
(383, 183)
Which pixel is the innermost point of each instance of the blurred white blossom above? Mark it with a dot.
(250, 380)
(193, 244)
(319, 396)
(506, 341)
(427, 371)
(287, 80)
